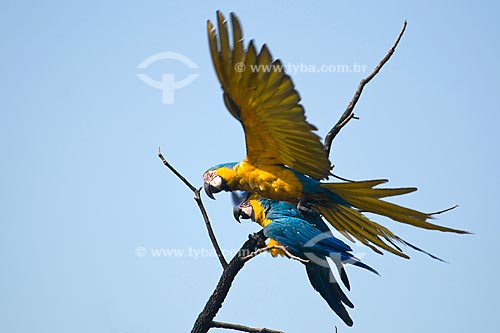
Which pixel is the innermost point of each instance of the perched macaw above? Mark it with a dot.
(306, 236)
(285, 159)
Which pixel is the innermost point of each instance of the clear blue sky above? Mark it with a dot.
(82, 187)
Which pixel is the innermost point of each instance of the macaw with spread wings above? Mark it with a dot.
(285, 159)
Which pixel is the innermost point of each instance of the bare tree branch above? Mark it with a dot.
(197, 198)
(214, 303)
(204, 321)
(242, 328)
(348, 113)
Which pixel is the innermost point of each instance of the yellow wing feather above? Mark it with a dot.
(364, 198)
(262, 97)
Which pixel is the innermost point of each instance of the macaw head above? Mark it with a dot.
(245, 211)
(250, 206)
(213, 182)
(241, 205)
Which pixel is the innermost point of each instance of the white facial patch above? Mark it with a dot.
(247, 210)
(216, 182)
(209, 176)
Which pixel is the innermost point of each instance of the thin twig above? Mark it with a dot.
(204, 321)
(348, 113)
(242, 328)
(197, 198)
(279, 247)
(181, 177)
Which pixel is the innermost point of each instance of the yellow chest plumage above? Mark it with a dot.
(260, 218)
(259, 213)
(270, 181)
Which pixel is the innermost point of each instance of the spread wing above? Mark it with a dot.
(262, 97)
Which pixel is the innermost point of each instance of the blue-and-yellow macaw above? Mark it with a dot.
(285, 159)
(306, 236)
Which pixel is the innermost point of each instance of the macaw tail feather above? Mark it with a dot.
(342, 258)
(351, 223)
(353, 261)
(363, 197)
(423, 251)
(324, 283)
(342, 273)
(356, 262)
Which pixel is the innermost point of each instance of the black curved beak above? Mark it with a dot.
(209, 189)
(237, 213)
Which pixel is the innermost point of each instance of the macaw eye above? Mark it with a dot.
(246, 210)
